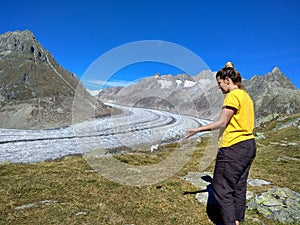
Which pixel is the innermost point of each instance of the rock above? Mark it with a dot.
(36, 204)
(249, 195)
(60, 111)
(255, 221)
(274, 143)
(259, 144)
(27, 206)
(202, 197)
(289, 144)
(291, 123)
(257, 182)
(292, 144)
(287, 159)
(48, 202)
(281, 204)
(260, 136)
(81, 213)
(283, 143)
(199, 179)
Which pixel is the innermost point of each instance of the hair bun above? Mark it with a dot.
(229, 65)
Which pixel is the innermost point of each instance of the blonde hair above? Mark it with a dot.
(229, 65)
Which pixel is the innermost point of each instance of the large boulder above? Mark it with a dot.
(280, 204)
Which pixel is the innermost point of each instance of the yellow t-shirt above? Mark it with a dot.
(241, 125)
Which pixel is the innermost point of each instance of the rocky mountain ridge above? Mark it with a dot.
(199, 95)
(35, 91)
(273, 94)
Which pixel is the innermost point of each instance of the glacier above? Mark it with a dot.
(134, 128)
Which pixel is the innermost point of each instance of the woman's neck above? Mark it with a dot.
(233, 87)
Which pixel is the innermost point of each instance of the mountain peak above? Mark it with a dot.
(276, 70)
(278, 78)
(35, 91)
(19, 32)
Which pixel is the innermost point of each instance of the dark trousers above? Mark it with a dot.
(230, 179)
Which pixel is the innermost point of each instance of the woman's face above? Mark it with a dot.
(223, 85)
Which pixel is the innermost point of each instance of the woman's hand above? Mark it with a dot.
(190, 133)
(226, 115)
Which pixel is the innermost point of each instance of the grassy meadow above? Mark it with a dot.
(69, 191)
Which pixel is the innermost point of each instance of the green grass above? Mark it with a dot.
(82, 196)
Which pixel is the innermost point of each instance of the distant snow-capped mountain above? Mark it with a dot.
(199, 95)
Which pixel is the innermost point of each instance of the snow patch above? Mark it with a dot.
(205, 83)
(165, 83)
(94, 92)
(179, 82)
(189, 83)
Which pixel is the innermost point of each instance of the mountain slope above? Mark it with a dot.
(35, 91)
(182, 94)
(272, 94)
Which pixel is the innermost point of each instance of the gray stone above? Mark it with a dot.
(199, 179)
(281, 204)
(249, 195)
(291, 123)
(202, 197)
(258, 182)
(36, 204)
(81, 213)
(60, 111)
(27, 206)
(287, 159)
(260, 136)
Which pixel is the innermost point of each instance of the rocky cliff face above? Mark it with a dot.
(35, 91)
(272, 94)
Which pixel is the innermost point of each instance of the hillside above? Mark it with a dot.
(273, 94)
(35, 91)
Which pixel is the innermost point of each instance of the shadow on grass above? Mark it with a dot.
(212, 208)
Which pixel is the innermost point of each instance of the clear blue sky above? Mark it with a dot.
(255, 35)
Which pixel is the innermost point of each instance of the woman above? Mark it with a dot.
(237, 147)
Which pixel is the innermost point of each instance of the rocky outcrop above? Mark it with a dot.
(35, 91)
(280, 204)
(28, 71)
(273, 94)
